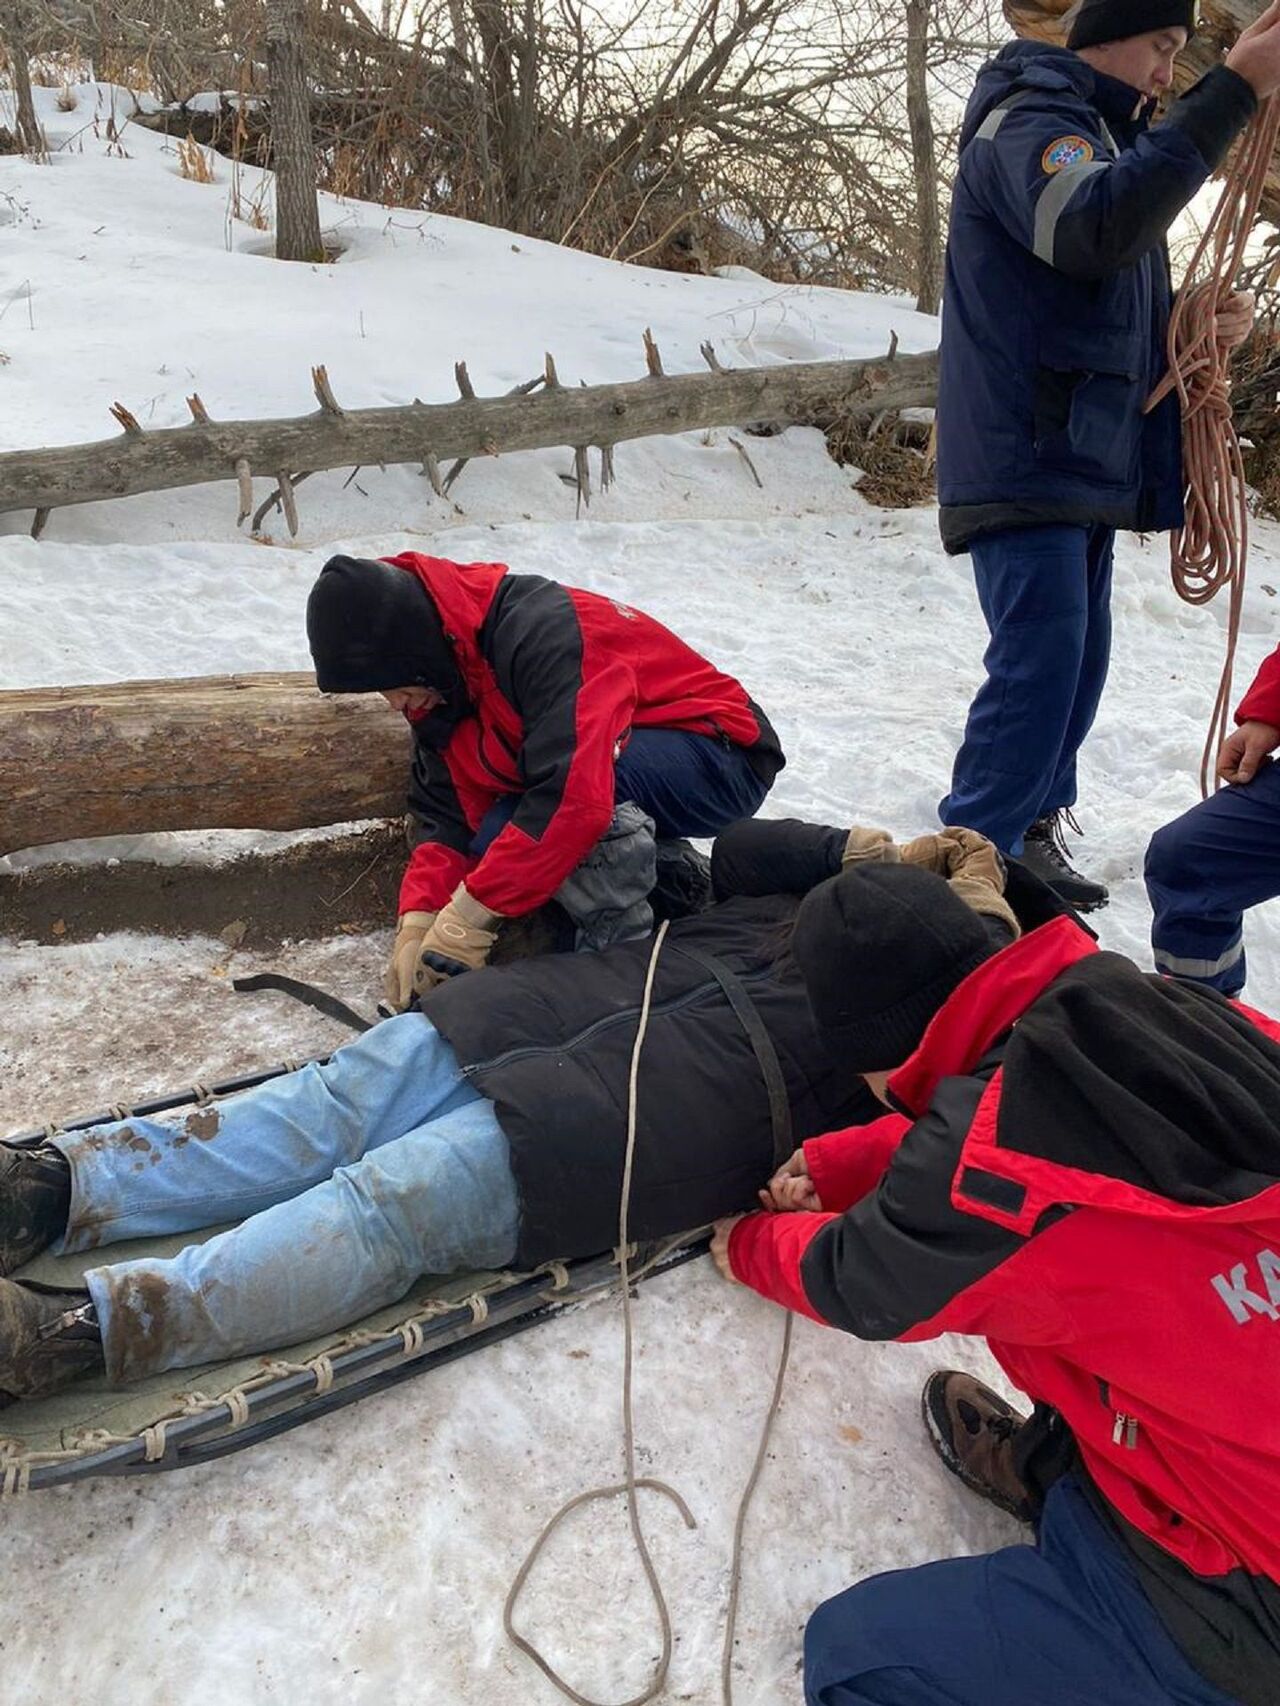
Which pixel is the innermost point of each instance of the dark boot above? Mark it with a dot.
(48, 1338)
(35, 1200)
(972, 1430)
(1044, 852)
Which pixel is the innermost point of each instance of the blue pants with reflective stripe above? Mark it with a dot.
(1064, 1622)
(349, 1179)
(1045, 593)
(1204, 870)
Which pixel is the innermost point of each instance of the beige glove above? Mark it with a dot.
(870, 847)
(397, 983)
(973, 867)
(459, 940)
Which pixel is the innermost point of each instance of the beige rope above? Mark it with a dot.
(1210, 551)
(630, 1485)
(623, 1255)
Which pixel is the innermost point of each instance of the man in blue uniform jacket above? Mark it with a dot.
(1055, 311)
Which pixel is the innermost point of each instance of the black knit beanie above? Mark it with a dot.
(372, 626)
(880, 948)
(1101, 21)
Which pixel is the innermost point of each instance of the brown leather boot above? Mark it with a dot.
(972, 1430)
(35, 1199)
(48, 1338)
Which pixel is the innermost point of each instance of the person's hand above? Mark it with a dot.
(397, 982)
(1256, 55)
(1234, 318)
(1245, 749)
(791, 1190)
(458, 940)
(720, 1246)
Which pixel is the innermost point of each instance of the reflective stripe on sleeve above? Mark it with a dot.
(1054, 198)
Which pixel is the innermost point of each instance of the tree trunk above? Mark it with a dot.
(139, 461)
(924, 161)
(13, 25)
(213, 752)
(297, 205)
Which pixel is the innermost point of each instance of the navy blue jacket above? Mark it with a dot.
(1057, 294)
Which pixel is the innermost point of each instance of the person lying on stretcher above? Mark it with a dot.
(486, 1130)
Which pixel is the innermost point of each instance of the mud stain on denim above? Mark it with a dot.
(139, 1324)
(204, 1124)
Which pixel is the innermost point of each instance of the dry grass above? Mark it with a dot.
(194, 162)
(895, 457)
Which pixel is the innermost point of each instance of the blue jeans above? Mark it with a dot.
(1204, 870)
(1045, 593)
(1065, 1621)
(689, 784)
(350, 1180)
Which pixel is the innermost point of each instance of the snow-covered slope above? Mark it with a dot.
(366, 1558)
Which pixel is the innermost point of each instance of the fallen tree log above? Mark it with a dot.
(333, 437)
(213, 752)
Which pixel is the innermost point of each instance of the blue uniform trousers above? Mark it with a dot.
(1204, 870)
(689, 784)
(1045, 593)
(1064, 1622)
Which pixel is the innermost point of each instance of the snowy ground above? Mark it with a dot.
(366, 1557)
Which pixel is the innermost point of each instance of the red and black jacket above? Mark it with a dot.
(556, 679)
(1087, 1173)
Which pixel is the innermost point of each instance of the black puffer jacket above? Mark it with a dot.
(549, 1041)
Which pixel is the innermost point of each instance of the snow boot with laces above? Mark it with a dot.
(48, 1337)
(35, 1199)
(1044, 853)
(972, 1430)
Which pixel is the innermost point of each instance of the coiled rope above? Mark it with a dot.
(1210, 550)
(632, 1484)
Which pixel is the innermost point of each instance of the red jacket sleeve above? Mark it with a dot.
(430, 877)
(765, 1252)
(1262, 702)
(845, 1165)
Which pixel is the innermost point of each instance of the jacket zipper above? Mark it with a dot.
(1124, 1428)
(659, 1010)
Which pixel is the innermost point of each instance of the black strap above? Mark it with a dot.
(307, 993)
(761, 1043)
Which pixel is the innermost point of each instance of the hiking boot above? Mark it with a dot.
(1044, 853)
(35, 1200)
(48, 1338)
(972, 1430)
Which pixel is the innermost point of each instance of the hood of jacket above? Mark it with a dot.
(1041, 65)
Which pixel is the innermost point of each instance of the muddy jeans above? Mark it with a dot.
(350, 1180)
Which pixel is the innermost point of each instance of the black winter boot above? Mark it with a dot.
(972, 1430)
(48, 1338)
(1044, 852)
(35, 1200)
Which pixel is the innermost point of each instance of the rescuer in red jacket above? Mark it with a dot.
(1081, 1165)
(536, 710)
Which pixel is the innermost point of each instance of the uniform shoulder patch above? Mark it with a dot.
(1066, 151)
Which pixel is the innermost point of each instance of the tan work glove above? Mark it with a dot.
(459, 940)
(870, 847)
(973, 867)
(397, 983)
